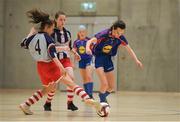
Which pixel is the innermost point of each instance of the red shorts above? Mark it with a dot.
(66, 62)
(48, 72)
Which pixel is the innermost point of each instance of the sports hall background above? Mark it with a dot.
(152, 30)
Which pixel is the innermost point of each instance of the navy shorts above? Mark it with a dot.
(105, 62)
(83, 63)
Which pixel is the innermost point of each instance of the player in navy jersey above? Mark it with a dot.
(62, 38)
(107, 44)
(42, 48)
(85, 62)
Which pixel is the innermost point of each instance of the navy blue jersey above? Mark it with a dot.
(106, 44)
(80, 46)
(41, 47)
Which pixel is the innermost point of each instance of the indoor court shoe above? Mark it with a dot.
(47, 107)
(91, 96)
(26, 109)
(94, 104)
(71, 106)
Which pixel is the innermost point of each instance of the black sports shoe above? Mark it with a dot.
(91, 96)
(71, 106)
(47, 107)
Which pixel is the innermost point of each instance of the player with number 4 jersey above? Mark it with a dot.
(50, 70)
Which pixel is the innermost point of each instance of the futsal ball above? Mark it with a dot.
(105, 110)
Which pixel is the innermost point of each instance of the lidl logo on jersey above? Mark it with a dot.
(82, 49)
(107, 49)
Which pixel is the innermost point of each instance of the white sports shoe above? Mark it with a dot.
(25, 109)
(94, 104)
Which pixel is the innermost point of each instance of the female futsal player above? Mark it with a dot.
(107, 44)
(50, 70)
(62, 38)
(85, 63)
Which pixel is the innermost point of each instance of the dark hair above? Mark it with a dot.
(118, 24)
(59, 13)
(38, 16)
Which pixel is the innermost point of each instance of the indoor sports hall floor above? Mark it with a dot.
(125, 106)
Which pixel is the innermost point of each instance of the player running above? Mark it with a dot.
(50, 70)
(107, 44)
(62, 38)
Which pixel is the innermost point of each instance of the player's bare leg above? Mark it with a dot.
(70, 92)
(103, 84)
(111, 83)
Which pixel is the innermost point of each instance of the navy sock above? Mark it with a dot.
(107, 93)
(89, 88)
(102, 97)
(86, 88)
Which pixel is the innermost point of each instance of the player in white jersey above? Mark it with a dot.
(62, 38)
(50, 70)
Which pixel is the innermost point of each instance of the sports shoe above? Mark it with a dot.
(25, 109)
(94, 104)
(47, 107)
(71, 106)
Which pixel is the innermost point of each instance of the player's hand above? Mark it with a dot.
(88, 51)
(60, 48)
(66, 48)
(77, 57)
(52, 86)
(139, 64)
(63, 70)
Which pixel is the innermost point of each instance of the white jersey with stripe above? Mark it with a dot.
(38, 46)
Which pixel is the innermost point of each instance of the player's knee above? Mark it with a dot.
(88, 78)
(45, 90)
(72, 78)
(104, 85)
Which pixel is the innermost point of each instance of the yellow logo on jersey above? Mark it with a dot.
(82, 50)
(107, 48)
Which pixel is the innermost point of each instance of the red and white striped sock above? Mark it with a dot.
(50, 96)
(34, 98)
(80, 92)
(70, 94)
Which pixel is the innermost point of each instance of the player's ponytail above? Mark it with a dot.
(39, 17)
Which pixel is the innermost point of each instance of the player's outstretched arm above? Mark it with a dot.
(89, 42)
(24, 41)
(77, 56)
(58, 63)
(133, 55)
(32, 32)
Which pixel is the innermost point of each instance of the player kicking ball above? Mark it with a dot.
(106, 44)
(50, 70)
